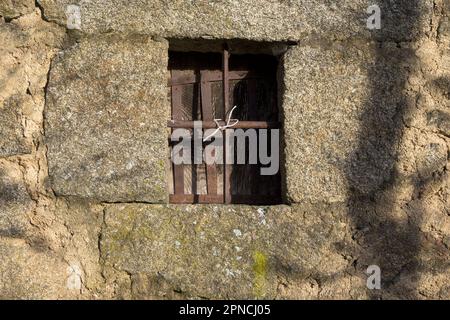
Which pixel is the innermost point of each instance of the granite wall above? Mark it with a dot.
(84, 209)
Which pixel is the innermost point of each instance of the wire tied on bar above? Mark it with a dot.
(224, 127)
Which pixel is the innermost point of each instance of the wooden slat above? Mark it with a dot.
(182, 80)
(207, 115)
(205, 72)
(195, 198)
(178, 170)
(235, 199)
(212, 124)
(215, 75)
(252, 170)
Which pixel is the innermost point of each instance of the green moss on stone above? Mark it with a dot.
(260, 273)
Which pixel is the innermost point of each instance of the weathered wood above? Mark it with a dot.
(213, 125)
(217, 85)
(195, 198)
(207, 115)
(214, 76)
(178, 170)
(235, 199)
(227, 169)
(251, 172)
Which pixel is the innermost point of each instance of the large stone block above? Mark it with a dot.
(106, 116)
(221, 251)
(343, 108)
(247, 19)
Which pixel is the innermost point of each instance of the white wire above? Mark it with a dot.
(227, 125)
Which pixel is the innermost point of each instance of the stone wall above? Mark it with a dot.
(366, 148)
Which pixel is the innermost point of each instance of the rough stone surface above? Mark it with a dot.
(220, 251)
(239, 252)
(12, 139)
(366, 149)
(15, 8)
(30, 274)
(341, 103)
(15, 202)
(273, 20)
(59, 258)
(105, 120)
(27, 46)
(75, 233)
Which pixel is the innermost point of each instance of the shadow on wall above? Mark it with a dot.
(391, 241)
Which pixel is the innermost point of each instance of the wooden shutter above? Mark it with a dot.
(205, 87)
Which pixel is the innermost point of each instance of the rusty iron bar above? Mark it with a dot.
(226, 168)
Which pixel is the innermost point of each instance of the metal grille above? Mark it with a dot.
(199, 82)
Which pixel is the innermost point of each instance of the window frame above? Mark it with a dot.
(205, 79)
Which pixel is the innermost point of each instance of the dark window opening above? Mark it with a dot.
(206, 86)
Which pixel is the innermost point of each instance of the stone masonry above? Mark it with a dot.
(84, 210)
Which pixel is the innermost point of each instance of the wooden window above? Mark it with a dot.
(204, 87)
